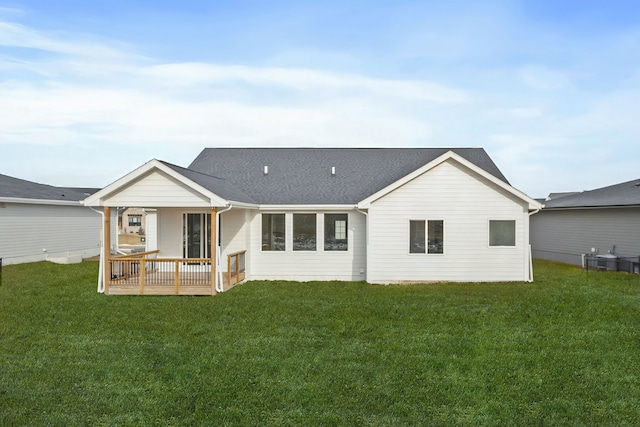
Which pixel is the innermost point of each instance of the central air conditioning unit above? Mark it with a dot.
(607, 262)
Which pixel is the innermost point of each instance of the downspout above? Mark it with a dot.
(219, 282)
(101, 263)
(366, 242)
(530, 251)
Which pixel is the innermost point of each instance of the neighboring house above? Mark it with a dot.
(133, 221)
(605, 221)
(380, 215)
(41, 222)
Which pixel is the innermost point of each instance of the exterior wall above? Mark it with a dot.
(465, 202)
(155, 190)
(169, 231)
(564, 235)
(302, 265)
(27, 229)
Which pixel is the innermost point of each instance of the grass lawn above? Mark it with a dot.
(564, 350)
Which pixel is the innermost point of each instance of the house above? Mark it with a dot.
(380, 215)
(40, 222)
(604, 222)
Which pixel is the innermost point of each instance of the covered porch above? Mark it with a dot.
(184, 252)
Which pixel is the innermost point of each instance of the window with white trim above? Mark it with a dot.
(435, 236)
(273, 232)
(502, 232)
(335, 232)
(196, 235)
(417, 237)
(426, 236)
(304, 232)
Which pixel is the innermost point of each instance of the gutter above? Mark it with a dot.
(24, 200)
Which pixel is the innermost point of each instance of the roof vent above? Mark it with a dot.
(266, 170)
(333, 171)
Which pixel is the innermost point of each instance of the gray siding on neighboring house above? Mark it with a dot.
(26, 230)
(564, 235)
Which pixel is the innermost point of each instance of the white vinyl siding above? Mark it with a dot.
(465, 202)
(26, 229)
(308, 265)
(158, 190)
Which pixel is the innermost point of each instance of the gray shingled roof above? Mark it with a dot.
(303, 175)
(16, 188)
(218, 186)
(624, 194)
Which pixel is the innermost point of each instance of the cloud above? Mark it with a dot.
(16, 35)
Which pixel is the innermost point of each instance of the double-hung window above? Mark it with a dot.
(426, 236)
(335, 232)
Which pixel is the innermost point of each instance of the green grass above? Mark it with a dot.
(564, 350)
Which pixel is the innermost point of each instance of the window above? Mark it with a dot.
(335, 232)
(436, 237)
(429, 239)
(135, 220)
(502, 233)
(273, 235)
(417, 237)
(304, 232)
(196, 235)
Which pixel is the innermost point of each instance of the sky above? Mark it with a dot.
(89, 90)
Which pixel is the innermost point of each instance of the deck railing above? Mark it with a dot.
(145, 273)
(235, 267)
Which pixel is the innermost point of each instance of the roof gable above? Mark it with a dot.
(158, 184)
(447, 157)
(298, 176)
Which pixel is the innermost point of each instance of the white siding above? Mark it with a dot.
(157, 190)
(305, 266)
(466, 202)
(233, 234)
(170, 232)
(25, 230)
(151, 230)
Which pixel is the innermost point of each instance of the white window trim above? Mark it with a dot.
(287, 233)
(317, 234)
(515, 232)
(349, 234)
(426, 237)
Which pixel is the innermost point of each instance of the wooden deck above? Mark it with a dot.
(140, 275)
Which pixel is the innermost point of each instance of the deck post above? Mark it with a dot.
(214, 248)
(106, 248)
